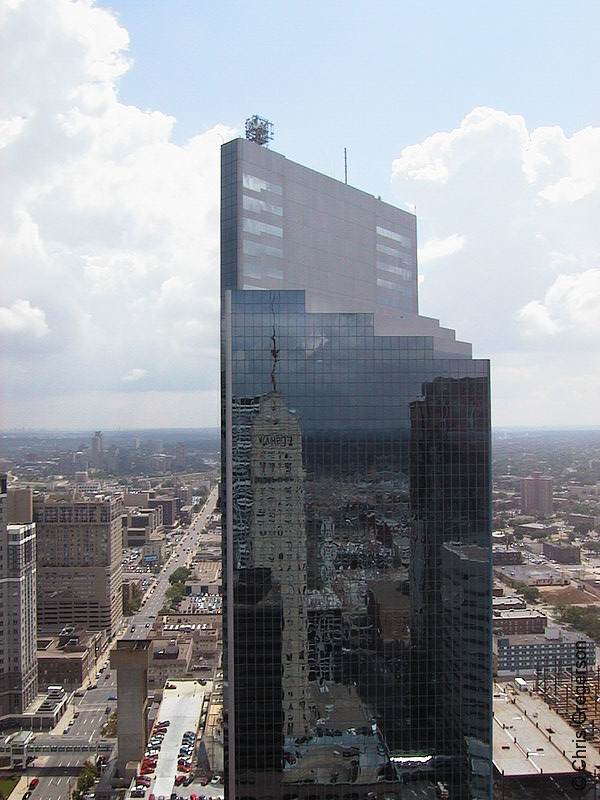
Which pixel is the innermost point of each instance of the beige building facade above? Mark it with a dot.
(79, 561)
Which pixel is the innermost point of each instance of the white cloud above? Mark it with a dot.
(136, 374)
(109, 240)
(440, 248)
(23, 318)
(526, 280)
(571, 305)
(535, 320)
(105, 223)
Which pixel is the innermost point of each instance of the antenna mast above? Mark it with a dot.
(259, 130)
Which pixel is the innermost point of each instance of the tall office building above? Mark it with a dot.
(80, 543)
(536, 495)
(18, 626)
(96, 450)
(356, 501)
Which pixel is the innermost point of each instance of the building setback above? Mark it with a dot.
(355, 450)
(79, 562)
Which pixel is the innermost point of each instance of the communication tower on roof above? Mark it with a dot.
(259, 130)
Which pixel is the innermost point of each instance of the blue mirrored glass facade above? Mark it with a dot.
(356, 516)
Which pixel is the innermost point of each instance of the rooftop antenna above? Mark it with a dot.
(259, 130)
(345, 165)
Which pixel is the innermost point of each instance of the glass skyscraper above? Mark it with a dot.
(356, 502)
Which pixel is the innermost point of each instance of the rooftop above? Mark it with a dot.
(530, 738)
(182, 706)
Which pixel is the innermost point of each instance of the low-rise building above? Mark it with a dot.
(205, 578)
(530, 653)
(562, 553)
(141, 525)
(536, 529)
(508, 602)
(69, 658)
(532, 575)
(169, 659)
(587, 521)
(522, 620)
(535, 751)
(502, 554)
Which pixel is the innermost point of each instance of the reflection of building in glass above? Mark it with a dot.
(464, 655)
(391, 476)
(324, 636)
(278, 543)
(258, 698)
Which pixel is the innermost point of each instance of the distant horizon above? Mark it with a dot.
(73, 431)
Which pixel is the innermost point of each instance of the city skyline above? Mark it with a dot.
(111, 139)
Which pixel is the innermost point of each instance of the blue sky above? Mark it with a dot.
(482, 115)
(369, 76)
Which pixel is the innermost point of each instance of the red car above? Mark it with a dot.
(178, 780)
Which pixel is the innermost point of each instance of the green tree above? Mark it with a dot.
(85, 781)
(180, 575)
(175, 592)
(582, 618)
(530, 593)
(132, 605)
